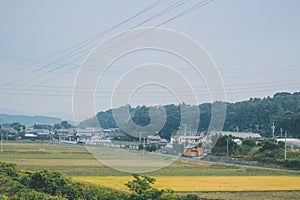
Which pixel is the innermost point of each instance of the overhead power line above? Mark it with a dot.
(198, 5)
(71, 50)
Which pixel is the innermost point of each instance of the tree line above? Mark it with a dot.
(48, 185)
(253, 115)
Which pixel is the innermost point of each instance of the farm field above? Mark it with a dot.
(250, 195)
(77, 161)
(204, 183)
(211, 181)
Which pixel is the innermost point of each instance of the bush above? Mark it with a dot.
(191, 197)
(249, 142)
(142, 190)
(53, 183)
(8, 168)
(292, 164)
(151, 147)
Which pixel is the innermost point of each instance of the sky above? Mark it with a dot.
(254, 44)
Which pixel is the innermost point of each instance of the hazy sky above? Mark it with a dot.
(255, 45)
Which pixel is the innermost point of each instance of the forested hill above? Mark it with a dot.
(255, 114)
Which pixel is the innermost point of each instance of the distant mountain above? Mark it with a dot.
(28, 120)
(10, 111)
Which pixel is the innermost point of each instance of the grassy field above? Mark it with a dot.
(77, 161)
(250, 195)
(209, 181)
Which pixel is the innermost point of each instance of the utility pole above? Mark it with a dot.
(184, 136)
(140, 137)
(1, 147)
(285, 145)
(257, 128)
(227, 148)
(144, 146)
(273, 130)
(281, 132)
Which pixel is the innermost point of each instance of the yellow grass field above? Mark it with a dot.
(204, 183)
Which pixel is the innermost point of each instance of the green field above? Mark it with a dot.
(77, 162)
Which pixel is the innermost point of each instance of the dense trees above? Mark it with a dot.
(259, 114)
(17, 126)
(256, 115)
(220, 149)
(63, 124)
(42, 126)
(48, 185)
(44, 184)
(141, 189)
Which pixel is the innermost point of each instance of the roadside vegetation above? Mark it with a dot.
(267, 152)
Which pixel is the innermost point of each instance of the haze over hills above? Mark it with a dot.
(28, 120)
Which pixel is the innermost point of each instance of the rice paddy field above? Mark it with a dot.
(205, 183)
(209, 181)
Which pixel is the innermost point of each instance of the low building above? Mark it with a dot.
(104, 142)
(156, 139)
(153, 139)
(189, 139)
(240, 134)
(40, 132)
(192, 151)
(9, 130)
(290, 142)
(30, 135)
(238, 141)
(65, 132)
(163, 142)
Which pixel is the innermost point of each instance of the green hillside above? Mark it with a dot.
(255, 114)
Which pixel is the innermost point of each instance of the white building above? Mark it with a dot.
(291, 142)
(190, 139)
(239, 134)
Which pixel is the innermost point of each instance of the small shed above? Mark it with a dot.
(192, 151)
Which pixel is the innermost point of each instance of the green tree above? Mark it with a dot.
(141, 188)
(57, 126)
(42, 126)
(249, 142)
(8, 169)
(152, 147)
(66, 124)
(220, 148)
(17, 126)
